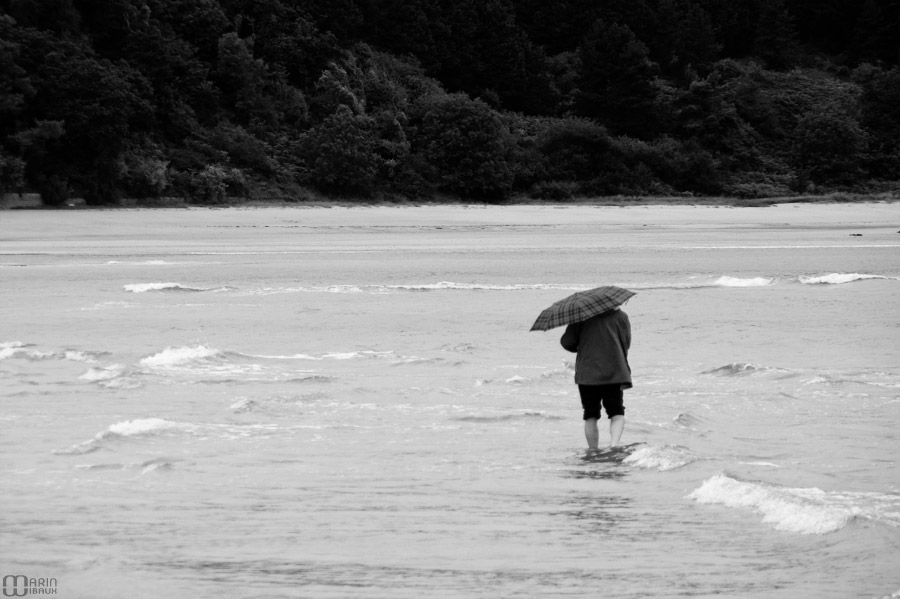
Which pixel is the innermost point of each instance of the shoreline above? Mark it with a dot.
(293, 226)
(10, 203)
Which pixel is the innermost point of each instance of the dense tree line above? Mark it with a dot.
(208, 99)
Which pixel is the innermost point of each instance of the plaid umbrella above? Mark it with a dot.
(580, 306)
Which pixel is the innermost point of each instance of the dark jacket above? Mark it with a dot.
(602, 344)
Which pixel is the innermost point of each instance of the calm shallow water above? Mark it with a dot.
(262, 404)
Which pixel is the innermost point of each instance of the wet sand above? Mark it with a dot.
(84, 231)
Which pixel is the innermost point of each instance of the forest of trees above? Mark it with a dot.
(474, 99)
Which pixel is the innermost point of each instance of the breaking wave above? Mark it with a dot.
(145, 466)
(17, 349)
(738, 282)
(742, 369)
(424, 287)
(171, 287)
(328, 355)
(688, 420)
(506, 417)
(144, 263)
(127, 429)
(175, 356)
(449, 285)
(837, 278)
(113, 376)
(799, 510)
(662, 458)
(142, 428)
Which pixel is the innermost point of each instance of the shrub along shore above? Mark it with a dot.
(317, 201)
(164, 102)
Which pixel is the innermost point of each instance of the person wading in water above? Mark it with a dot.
(602, 372)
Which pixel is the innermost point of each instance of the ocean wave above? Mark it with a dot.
(414, 360)
(452, 286)
(726, 281)
(506, 417)
(414, 287)
(141, 427)
(172, 287)
(88, 357)
(837, 278)
(176, 356)
(311, 289)
(662, 458)
(743, 369)
(16, 349)
(688, 420)
(703, 283)
(114, 376)
(143, 263)
(799, 510)
(103, 373)
(145, 467)
(326, 356)
(10, 348)
(147, 426)
(694, 283)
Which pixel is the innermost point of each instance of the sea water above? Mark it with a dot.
(315, 403)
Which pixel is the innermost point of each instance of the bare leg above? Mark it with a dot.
(591, 433)
(616, 427)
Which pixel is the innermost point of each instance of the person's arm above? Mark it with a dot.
(570, 338)
(626, 333)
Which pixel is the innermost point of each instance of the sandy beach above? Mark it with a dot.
(80, 230)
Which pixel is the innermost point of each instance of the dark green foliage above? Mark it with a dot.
(616, 80)
(340, 153)
(880, 118)
(578, 150)
(688, 38)
(829, 148)
(776, 38)
(216, 99)
(466, 145)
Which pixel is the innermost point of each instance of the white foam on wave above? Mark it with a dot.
(727, 281)
(439, 286)
(145, 287)
(163, 287)
(28, 354)
(17, 349)
(10, 348)
(450, 285)
(80, 356)
(837, 278)
(328, 355)
(129, 428)
(148, 426)
(103, 373)
(744, 369)
(175, 356)
(799, 510)
(662, 458)
(311, 289)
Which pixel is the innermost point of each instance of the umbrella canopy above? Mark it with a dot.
(580, 306)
